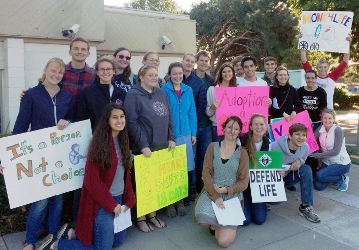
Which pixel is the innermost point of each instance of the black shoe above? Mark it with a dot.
(193, 194)
(292, 188)
(187, 202)
(212, 231)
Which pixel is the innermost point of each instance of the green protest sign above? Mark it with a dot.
(267, 160)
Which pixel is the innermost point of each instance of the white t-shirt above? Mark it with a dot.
(259, 82)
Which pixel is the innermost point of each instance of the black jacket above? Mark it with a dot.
(287, 100)
(94, 98)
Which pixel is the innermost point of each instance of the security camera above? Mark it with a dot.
(166, 40)
(71, 32)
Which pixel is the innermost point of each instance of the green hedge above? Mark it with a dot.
(344, 100)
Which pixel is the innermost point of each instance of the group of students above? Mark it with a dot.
(139, 114)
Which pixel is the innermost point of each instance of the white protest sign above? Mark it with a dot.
(43, 163)
(325, 30)
(265, 182)
(232, 215)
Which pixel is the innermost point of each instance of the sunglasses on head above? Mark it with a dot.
(122, 56)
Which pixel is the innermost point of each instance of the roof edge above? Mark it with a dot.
(145, 12)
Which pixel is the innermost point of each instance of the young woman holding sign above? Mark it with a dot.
(225, 176)
(226, 78)
(255, 140)
(335, 158)
(180, 98)
(43, 106)
(150, 126)
(107, 185)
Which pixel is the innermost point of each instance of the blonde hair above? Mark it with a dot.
(332, 112)
(150, 52)
(323, 60)
(143, 70)
(57, 60)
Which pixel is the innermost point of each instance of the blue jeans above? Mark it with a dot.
(304, 176)
(53, 208)
(103, 233)
(330, 174)
(256, 212)
(204, 138)
(215, 136)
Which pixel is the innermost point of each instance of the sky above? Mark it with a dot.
(184, 4)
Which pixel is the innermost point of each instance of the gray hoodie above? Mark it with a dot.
(288, 158)
(148, 118)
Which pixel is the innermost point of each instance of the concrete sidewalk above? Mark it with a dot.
(284, 228)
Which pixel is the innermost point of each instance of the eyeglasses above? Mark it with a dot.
(105, 70)
(153, 60)
(122, 56)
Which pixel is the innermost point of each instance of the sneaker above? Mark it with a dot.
(309, 213)
(171, 211)
(343, 186)
(193, 194)
(181, 210)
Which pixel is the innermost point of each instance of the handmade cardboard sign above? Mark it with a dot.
(265, 182)
(280, 128)
(241, 102)
(325, 30)
(160, 179)
(44, 163)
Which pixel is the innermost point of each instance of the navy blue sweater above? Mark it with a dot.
(199, 93)
(94, 98)
(38, 109)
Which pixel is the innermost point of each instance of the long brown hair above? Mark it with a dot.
(250, 146)
(100, 150)
(219, 79)
(108, 59)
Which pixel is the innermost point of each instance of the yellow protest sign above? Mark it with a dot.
(161, 179)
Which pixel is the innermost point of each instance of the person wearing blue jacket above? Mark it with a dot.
(180, 98)
(43, 106)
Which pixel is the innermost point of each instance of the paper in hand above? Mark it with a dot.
(123, 221)
(231, 216)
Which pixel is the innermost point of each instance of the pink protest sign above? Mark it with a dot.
(241, 102)
(282, 127)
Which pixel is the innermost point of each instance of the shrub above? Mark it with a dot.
(343, 100)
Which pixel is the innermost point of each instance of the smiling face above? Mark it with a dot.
(327, 120)
(297, 139)
(117, 121)
(232, 130)
(79, 51)
(149, 79)
(227, 74)
(176, 75)
(123, 59)
(188, 63)
(105, 72)
(152, 60)
(238, 69)
(53, 74)
(310, 79)
(249, 68)
(259, 126)
(323, 69)
(270, 67)
(203, 63)
(282, 77)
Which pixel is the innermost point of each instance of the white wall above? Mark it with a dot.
(296, 77)
(23, 64)
(136, 64)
